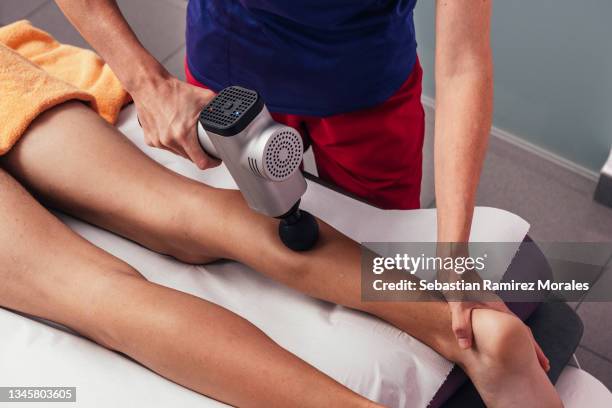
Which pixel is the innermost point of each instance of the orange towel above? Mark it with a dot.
(37, 73)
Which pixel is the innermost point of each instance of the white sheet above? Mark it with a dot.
(362, 352)
(579, 389)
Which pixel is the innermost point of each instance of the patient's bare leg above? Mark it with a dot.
(48, 271)
(78, 163)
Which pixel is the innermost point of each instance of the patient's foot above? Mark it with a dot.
(503, 363)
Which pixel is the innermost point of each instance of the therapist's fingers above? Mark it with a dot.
(461, 318)
(193, 149)
(164, 143)
(171, 145)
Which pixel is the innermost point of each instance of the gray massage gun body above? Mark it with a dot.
(263, 157)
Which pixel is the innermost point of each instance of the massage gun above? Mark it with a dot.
(264, 159)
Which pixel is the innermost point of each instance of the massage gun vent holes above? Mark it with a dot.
(283, 154)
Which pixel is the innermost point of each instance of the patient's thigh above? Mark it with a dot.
(74, 161)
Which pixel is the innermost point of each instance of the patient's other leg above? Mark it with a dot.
(48, 271)
(78, 163)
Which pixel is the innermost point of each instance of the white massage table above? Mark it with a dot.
(362, 352)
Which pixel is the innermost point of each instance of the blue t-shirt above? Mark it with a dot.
(307, 57)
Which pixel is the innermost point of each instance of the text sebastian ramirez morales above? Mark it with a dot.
(484, 285)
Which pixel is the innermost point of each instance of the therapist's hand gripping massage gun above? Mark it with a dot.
(263, 157)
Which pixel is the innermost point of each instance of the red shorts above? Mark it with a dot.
(376, 153)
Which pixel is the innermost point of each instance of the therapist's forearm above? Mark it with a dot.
(464, 104)
(101, 23)
(463, 120)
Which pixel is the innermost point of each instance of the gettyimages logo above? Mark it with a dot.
(423, 263)
(482, 271)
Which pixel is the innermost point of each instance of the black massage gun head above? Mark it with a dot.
(298, 229)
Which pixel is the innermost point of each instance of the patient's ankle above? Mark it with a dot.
(502, 339)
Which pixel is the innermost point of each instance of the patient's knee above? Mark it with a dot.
(107, 291)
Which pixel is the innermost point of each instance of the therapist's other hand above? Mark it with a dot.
(168, 111)
(461, 317)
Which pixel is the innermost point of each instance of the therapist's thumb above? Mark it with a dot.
(462, 326)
